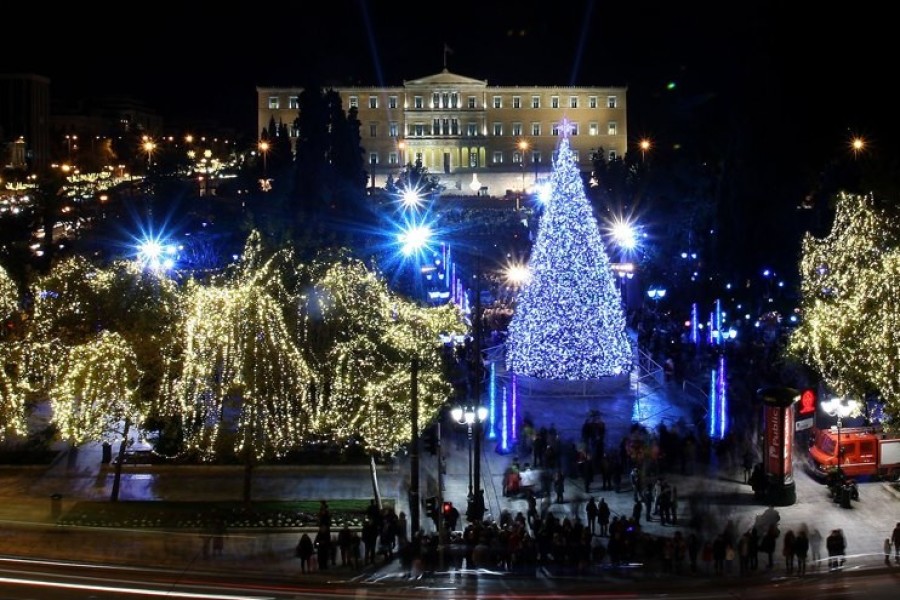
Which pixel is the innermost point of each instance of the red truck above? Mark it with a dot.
(866, 453)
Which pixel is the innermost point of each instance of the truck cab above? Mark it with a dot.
(864, 452)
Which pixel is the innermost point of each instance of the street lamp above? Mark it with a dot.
(264, 150)
(644, 145)
(840, 408)
(523, 147)
(69, 140)
(149, 147)
(472, 417)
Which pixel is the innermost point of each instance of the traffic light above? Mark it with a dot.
(430, 505)
(430, 439)
(447, 508)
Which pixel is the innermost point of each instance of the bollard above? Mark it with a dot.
(55, 505)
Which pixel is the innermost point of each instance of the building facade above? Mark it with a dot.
(478, 139)
(24, 121)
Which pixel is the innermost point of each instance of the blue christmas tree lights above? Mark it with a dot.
(568, 322)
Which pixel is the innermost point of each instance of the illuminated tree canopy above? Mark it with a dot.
(568, 322)
(850, 330)
(9, 295)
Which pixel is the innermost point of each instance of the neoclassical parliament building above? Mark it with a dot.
(479, 139)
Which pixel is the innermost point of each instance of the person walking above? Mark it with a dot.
(801, 550)
(887, 551)
(788, 551)
(304, 552)
(603, 513)
(592, 514)
(559, 484)
(767, 544)
(836, 545)
(895, 540)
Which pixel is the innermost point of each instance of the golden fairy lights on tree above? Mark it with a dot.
(850, 279)
(241, 373)
(95, 397)
(362, 340)
(12, 401)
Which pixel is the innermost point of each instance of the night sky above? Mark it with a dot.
(788, 88)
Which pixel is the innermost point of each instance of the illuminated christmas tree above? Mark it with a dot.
(568, 322)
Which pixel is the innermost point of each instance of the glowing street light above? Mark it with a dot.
(472, 417)
(148, 147)
(840, 408)
(264, 150)
(523, 148)
(644, 145)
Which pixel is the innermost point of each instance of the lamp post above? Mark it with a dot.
(264, 150)
(149, 147)
(840, 408)
(472, 417)
(644, 145)
(523, 147)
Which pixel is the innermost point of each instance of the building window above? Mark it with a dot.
(417, 102)
(419, 129)
(454, 100)
(273, 102)
(295, 131)
(573, 101)
(498, 157)
(472, 102)
(554, 130)
(394, 129)
(611, 128)
(473, 158)
(517, 129)
(498, 128)
(454, 126)
(373, 101)
(373, 129)
(436, 127)
(393, 158)
(535, 129)
(554, 102)
(419, 158)
(593, 129)
(436, 100)
(536, 157)
(517, 102)
(293, 102)
(392, 101)
(610, 102)
(575, 155)
(471, 129)
(612, 155)
(535, 102)
(354, 102)
(517, 158)
(498, 102)
(573, 128)
(373, 158)
(592, 101)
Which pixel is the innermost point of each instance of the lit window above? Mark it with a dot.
(373, 101)
(417, 102)
(373, 158)
(554, 102)
(472, 102)
(473, 158)
(535, 129)
(536, 157)
(517, 129)
(295, 131)
(592, 101)
(517, 158)
(573, 128)
(393, 158)
(498, 157)
(535, 102)
(554, 129)
(436, 100)
(373, 130)
(517, 102)
(498, 128)
(573, 102)
(610, 102)
(354, 102)
(419, 129)
(392, 101)
(575, 155)
(293, 102)
(593, 129)
(393, 128)
(612, 155)
(471, 129)
(498, 102)
(273, 102)
(611, 128)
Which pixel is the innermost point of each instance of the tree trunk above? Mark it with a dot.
(117, 478)
(248, 477)
(375, 493)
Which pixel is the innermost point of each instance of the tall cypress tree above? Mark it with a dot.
(569, 322)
